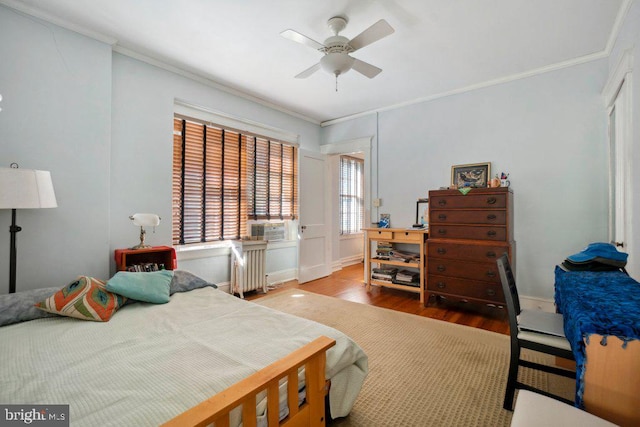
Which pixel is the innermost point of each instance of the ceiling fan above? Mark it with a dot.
(336, 49)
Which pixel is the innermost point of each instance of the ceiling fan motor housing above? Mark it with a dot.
(337, 44)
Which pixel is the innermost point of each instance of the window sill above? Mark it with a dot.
(223, 248)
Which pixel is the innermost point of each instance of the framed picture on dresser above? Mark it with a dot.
(474, 175)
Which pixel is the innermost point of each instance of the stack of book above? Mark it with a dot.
(384, 250)
(145, 267)
(406, 277)
(402, 256)
(386, 274)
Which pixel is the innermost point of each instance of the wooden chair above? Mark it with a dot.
(533, 329)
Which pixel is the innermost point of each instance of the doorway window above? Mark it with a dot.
(351, 195)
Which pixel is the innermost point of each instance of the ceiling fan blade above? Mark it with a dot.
(301, 38)
(366, 69)
(372, 34)
(306, 73)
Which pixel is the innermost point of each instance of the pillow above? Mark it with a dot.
(86, 298)
(18, 307)
(148, 287)
(184, 281)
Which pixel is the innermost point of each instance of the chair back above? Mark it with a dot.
(510, 291)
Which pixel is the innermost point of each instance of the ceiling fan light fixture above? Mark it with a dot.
(336, 63)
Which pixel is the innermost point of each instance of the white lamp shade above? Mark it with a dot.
(145, 219)
(336, 63)
(26, 189)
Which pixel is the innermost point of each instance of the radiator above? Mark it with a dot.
(248, 266)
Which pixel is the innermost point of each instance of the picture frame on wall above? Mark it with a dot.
(473, 175)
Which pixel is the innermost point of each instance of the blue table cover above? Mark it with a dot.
(604, 303)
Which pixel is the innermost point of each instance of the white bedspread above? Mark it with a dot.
(152, 362)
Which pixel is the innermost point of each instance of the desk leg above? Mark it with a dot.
(367, 262)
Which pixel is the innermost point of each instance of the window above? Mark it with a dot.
(223, 177)
(351, 194)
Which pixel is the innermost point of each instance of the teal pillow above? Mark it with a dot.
(148, 287)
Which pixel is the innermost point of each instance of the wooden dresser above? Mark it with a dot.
(467, 233)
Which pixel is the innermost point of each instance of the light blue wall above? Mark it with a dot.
(56, 116)
(102, 124)
(547, 131)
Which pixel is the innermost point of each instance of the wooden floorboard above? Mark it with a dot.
(348, 284)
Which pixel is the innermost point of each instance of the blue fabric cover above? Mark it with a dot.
(142, 286)
(598, 250)
(603, 303)
(19, 307)
(184, 281)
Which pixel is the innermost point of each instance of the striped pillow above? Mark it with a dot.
(86, 298)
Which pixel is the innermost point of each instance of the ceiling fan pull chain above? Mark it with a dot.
(336, 82)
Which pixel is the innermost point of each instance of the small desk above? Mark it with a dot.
(415, 237)
(603, 308)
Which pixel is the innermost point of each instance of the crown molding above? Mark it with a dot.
(208, 81)
(40, 14)
(481, 85)
(617, 25)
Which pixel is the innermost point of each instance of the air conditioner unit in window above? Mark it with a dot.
(271, 231)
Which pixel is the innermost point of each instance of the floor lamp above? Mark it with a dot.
(23, 189)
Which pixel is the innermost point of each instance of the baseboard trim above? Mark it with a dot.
(278, 277)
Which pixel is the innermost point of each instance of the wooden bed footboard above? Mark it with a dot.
(311, 413)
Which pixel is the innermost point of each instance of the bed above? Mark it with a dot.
(152, 362)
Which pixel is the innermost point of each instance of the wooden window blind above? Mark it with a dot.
(351, 194)
(222, 178)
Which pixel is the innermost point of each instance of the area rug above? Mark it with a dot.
(422, 372)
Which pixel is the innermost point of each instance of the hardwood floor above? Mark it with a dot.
(348, 284)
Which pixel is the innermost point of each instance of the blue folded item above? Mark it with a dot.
(601, 252)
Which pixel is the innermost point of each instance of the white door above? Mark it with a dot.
(313, 234)
(619, 168)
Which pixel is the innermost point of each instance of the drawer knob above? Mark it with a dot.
(442, 231)
(442, 217)
(442, 251)
(491, 233)
(441, 268)
(442, 202)
(491, 217)
(492, 200)
(441, 285)
(491, 292)
(491, 254)
(491, 274)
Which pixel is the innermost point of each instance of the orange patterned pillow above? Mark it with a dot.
(86, 298)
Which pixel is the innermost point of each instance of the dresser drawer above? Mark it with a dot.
(470, 201)
(484, 216)
(480, 253)
(498, 234)
(485, 271)
(465, 288)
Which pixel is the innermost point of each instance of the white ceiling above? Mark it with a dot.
(439, 46)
